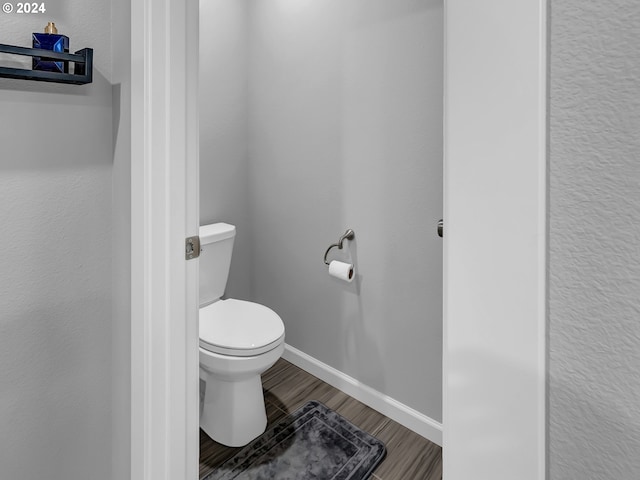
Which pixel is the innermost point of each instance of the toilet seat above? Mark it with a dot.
(239, 328)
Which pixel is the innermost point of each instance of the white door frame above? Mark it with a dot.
(494, 247)
(164, 202)
(494, 415)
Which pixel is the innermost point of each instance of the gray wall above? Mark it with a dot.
(344, 122)
(594, 415)
(55, 256)
(121, 202)
(224, 180)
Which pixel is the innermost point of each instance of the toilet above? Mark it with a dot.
(239, 340)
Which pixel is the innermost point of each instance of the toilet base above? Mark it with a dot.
(233, 411)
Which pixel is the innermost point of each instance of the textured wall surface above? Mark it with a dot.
(594, 415)
(121, 274)
(55, 258)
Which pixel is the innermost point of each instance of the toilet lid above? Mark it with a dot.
(236, 327)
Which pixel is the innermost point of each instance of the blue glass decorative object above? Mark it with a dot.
(51, 40)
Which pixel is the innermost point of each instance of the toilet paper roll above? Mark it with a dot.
(341, 270)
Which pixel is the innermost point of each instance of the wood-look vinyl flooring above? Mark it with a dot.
(287, 388)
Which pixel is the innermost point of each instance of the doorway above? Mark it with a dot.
(526, 28)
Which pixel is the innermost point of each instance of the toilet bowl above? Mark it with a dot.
(239, 340)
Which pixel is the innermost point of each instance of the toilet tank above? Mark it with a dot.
(216, 243)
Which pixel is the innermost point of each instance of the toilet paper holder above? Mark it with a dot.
(348, 235)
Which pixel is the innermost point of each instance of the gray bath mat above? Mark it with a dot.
(312, 443)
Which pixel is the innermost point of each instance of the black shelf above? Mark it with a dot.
(82, 71)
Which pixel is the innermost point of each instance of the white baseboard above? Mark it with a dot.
(407, 416)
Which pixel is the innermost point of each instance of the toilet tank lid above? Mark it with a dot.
(216, 232)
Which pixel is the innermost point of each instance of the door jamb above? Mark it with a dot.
(164, 207)
(495, 243)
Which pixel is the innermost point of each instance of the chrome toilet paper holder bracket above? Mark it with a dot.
(348, 235)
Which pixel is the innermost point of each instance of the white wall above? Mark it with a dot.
(55, 255)
(224, 178)
(345, 130)
(594, 420)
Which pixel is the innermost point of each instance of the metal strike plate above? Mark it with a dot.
(192, 247)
